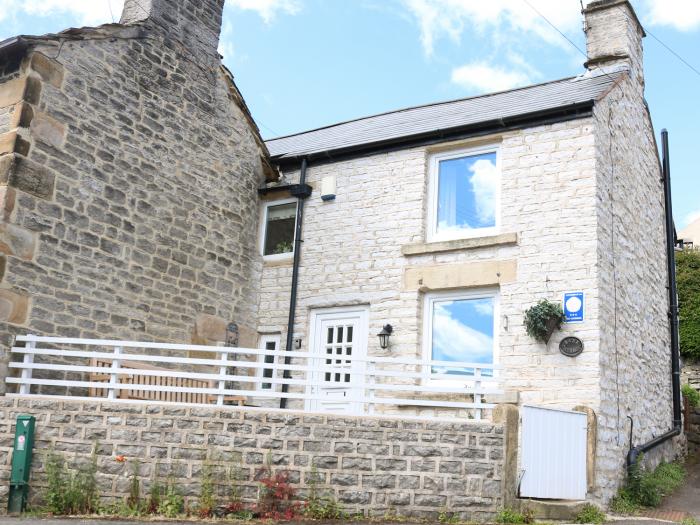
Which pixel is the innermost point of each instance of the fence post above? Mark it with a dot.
(25, 388)
(477, 397)
(370, 378)
(222, 381)
(114, 377)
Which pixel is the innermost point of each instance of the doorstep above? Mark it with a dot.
(551, 510)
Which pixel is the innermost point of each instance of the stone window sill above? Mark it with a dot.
(459, 244)
(285, 259)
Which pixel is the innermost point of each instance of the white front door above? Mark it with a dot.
(337, 336)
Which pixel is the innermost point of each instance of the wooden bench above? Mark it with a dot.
(155, 395)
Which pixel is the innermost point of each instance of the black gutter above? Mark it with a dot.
(272, 189)
(301, 191)
(537, 118)
(634, 452)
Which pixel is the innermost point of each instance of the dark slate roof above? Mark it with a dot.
(442, 117)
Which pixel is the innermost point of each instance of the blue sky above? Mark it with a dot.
(306, 63)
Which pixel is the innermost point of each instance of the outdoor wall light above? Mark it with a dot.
(384, 336)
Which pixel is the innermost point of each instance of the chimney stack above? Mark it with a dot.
(192, 22)
(614, 37)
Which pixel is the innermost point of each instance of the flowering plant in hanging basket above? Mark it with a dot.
(542, 319)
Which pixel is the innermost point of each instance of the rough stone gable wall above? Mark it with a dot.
(129, 205)
(635, 339)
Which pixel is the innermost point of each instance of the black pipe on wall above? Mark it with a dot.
(634, 452)
(301, 195)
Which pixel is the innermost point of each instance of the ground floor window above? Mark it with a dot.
(460, 326)
(279, 222)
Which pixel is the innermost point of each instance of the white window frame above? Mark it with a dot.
(262, 344)
(434, 297)
(263, 230)
(433, 174)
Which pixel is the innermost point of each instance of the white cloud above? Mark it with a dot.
(455, 341)
(267, 9)
(448, 18)
(691, 217)
(484, 183)
(226, 48)
(484, 78)
(683, 15)
(93, 12)
(88, 12)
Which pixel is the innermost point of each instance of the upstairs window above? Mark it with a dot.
(464, 189)
(279, 221)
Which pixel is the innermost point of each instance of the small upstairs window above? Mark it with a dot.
(279, 222)
(464, 191)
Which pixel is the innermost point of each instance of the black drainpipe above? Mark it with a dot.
(634, 452)
(301, 191)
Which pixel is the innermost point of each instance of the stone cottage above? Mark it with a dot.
(139, 203)
(447, 221)
(129, 168)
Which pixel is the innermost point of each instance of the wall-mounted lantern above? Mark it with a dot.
(384, 336)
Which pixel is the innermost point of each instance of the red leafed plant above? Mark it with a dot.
(277, 496)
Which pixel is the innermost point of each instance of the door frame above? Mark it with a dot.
(316, 317)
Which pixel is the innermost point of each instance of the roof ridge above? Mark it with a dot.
(429, 104)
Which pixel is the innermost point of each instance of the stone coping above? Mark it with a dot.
(43, 402)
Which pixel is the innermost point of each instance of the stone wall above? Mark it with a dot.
(371, 465)
(635, 337)
(692, 430)
(128, 182)
(690, 373)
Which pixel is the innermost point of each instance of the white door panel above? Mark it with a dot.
(338, 336)
(554, 452)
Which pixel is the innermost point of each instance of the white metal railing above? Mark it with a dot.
(165, 372)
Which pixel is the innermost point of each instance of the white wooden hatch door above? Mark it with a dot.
(553, 462)
(338, 337)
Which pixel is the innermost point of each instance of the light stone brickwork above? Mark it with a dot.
(352, 254)
(129, 184)
(371, 465)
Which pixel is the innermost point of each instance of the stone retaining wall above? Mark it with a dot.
(690, 374)
(370, 464)
(692, 430)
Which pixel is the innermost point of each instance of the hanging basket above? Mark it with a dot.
(542, 319)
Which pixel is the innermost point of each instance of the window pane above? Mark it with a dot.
(268, 359)
(279, 230)
(467, 189)
(462, 331)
